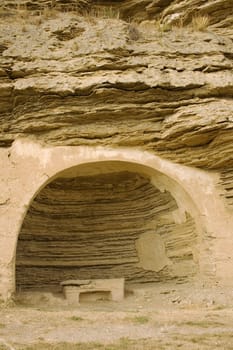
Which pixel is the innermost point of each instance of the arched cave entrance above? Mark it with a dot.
(104, 220)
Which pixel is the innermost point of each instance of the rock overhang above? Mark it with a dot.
(167, 92)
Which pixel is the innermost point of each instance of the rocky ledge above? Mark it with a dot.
(71, 79)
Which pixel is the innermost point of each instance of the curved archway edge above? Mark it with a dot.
(28, 167)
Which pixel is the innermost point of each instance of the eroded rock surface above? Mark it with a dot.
(71, 80)
(98, 227)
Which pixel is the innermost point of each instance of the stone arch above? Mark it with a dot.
(48, 162)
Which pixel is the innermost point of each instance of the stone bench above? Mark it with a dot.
(73, 288)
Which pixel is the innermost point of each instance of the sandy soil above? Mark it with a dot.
(154, 317)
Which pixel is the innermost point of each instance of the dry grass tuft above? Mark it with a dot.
(200, 23)
(163, 27)
(52, 9)
(106, 12)
(179, 24)
(138, 319)
(141, 319)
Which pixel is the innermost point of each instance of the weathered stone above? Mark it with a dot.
(89, 227)
(177, 88)
(78, 89)
(75, 289)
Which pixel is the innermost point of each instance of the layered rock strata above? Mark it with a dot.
(89, 226)
(138, 76)
(70, 80)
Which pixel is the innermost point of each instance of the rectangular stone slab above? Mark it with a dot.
(73, 288)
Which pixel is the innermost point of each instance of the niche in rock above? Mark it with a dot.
(108, 224)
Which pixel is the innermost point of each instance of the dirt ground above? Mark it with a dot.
(154, 316)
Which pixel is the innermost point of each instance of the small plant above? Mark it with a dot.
(124, 342)
(220, 307)
(79, 5)
(141, 319)
(202, 324)
(163, 26)
(106, 12)
(76, 318)
(178, 24)
(200, 23)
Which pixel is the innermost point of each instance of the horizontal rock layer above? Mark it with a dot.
(95, 79)
(71, 80)
(86, 227)
(227, 183)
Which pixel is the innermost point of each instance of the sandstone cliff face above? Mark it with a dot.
(74, 80)
(98, 80)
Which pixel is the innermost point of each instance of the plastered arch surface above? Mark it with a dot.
(30, 166)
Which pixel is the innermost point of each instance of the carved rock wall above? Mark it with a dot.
(226, 182)
(88, 227)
